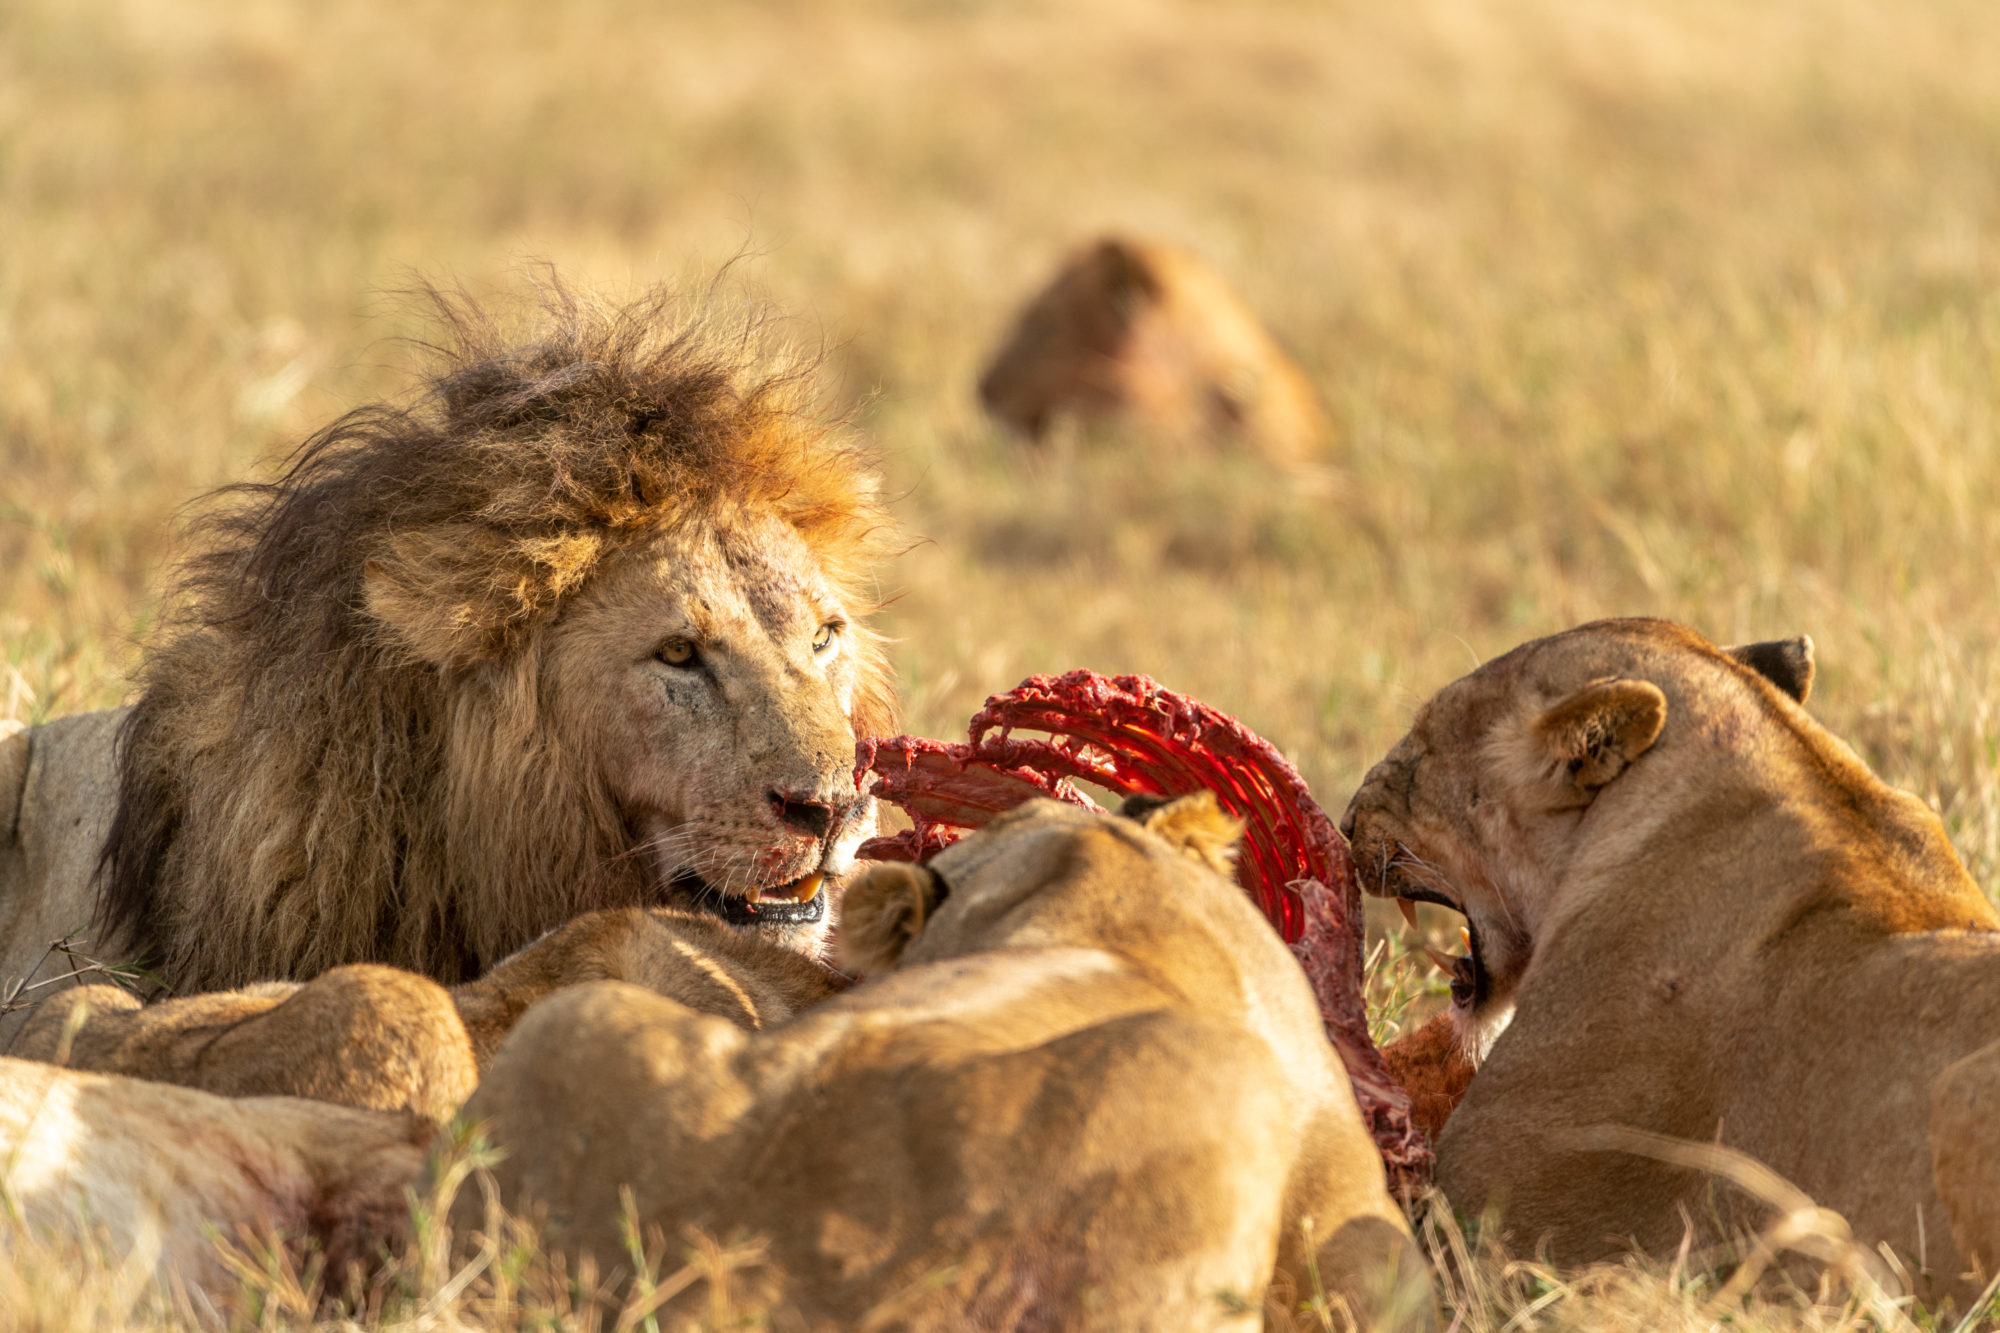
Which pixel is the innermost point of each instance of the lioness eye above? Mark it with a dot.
(677, 652)
(824, 639)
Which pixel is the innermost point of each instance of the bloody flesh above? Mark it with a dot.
(1128, 734)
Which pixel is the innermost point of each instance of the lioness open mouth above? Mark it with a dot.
(799, 902)
(1471, 984)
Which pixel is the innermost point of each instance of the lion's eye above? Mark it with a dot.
(824, 639)
(677, 652)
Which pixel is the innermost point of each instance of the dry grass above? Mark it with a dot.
(1685, 307)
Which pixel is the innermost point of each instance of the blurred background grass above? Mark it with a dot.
(1678, 307)
(1688, 308)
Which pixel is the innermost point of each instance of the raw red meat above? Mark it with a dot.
(1128, 734)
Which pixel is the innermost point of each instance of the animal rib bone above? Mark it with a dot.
(1130, 735)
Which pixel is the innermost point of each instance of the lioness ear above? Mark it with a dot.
(1586, 740)
(1129, 279)
(1786, 663)
(883, 911)
(1194, 824)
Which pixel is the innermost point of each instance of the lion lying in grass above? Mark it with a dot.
(363, 1036)
(156, 1173)
(379, 1037)
(582, 627)
(1092, 1089)
(1693, 911)
(1148, 332)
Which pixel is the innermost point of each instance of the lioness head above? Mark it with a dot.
(997, 881)
(1507, 773)
(584, 628)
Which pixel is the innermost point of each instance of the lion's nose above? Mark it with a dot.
(806, 813)
(1368, 792)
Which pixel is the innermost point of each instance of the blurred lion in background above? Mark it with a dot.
(581, 628)
(1148, 332)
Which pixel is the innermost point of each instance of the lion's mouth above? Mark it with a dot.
(798, 902)
(1471, 983)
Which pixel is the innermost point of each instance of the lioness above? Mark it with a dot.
(1085, 1085)
(582, 628)
(158, 1173)
(364, 1036)
(1147, 331)
(380, 1037)
(1694, 911)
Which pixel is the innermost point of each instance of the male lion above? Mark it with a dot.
(1089, 1087)
(1706, 919)
(579, 629)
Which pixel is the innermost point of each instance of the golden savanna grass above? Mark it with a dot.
(1683, 307)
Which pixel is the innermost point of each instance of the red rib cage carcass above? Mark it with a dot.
(1130, 735)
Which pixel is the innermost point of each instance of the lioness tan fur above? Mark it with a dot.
(1086, 1086)
(1965, 1155)
(694, 960)
(581, 627)
(364, 1036)
(379, 1037)
(156, 1173)
(1147, 331)
(1704, 918)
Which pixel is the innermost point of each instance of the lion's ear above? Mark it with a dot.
(1786, 663)
(1129, 278)
(1194, 824)
(883, 911)
(1584, 741)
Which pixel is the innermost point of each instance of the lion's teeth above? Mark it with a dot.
(756, 895)
(1409, 911)
(1465, 938)
(808, 888)
(1444, 961)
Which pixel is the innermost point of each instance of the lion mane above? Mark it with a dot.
(342, 751)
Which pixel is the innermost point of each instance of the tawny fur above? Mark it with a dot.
(1709, 921)
(364, 1036)
(1965, 1156)
(362, 735)
(695, 960)
(1094, 1090)
(155, 1172)
(879, 923)
(382, 1038)
(1147, 332)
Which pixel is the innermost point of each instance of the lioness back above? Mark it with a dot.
(157, 1173)
(1085, 1085)
(363, 1036)
(383, 1038)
